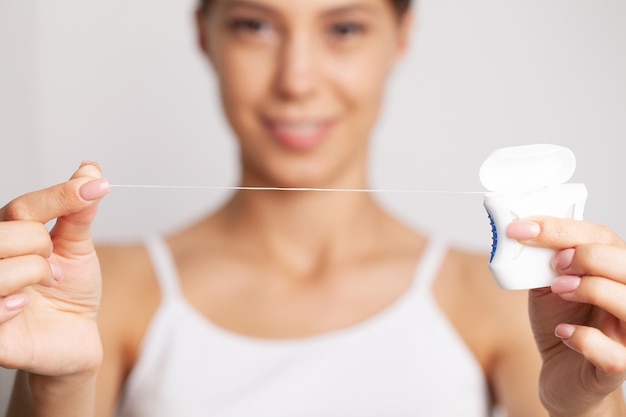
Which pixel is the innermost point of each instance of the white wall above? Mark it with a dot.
(18, 55)
(121, 82)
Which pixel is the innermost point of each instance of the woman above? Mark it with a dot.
(300, 303)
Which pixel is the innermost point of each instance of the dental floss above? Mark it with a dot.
(521, 181)
(244, 188)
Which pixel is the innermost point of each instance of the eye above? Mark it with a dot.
(250, 26)
(346, 30)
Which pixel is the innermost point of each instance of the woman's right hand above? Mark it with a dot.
(50, 281)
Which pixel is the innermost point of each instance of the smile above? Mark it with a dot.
(301, 135)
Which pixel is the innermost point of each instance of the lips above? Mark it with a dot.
(299, 135)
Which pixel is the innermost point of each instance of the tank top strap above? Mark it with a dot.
(164, 266)
(430, 264)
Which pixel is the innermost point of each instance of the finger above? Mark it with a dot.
(24, 237)
(63, 199)
(76, 225)
(23, 271)
(606, 354)
(605, 293)
(556, 233)
(593, 259)
(12, 306)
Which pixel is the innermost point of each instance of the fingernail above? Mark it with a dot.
(57, 272)
(95, 189)
(565, 284)
(523, 229)
(564, 331)
(89, 162)
(15, 302)
(562, 260)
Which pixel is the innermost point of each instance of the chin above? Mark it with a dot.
(293, 171)
(284, 175)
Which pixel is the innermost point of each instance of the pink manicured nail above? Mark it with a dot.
(564, 331)
(89, 162)
(563, 260)
(95, 189)
(523, 229)
(57, 272)
(565, 284)
(15, 302)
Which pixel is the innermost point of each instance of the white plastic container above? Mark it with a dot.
(527, 181)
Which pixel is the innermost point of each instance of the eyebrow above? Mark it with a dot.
(339, 10)
(249, 5)
(350, 8)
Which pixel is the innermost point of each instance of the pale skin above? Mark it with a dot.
(299, 264)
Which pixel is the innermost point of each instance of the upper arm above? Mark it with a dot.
(516, 364)
(122, 319)
(496, 326)
(111, 373)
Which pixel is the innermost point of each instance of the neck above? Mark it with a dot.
(303, 230)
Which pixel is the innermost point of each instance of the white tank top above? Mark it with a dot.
(406, 361)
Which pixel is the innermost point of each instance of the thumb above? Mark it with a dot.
(73, 203)
(86, 188)
(83, 190)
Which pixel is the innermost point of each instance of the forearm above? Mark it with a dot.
(41, 396)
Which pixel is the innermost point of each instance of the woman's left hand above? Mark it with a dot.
(580, 322)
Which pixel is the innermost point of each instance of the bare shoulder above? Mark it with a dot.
(130, 293)
(124, 265)
(487, 317)
(473, 268)
(468, 271)
(495, 324)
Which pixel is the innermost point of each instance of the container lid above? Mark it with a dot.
(527, 167)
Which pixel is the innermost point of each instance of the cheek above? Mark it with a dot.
(244, 80)
(362, 77)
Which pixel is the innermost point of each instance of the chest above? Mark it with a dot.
(266, 302)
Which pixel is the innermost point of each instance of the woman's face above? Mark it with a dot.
(302, 82)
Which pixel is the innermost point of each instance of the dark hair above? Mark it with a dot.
(401, 6)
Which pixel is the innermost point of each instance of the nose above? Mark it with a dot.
(297, 74)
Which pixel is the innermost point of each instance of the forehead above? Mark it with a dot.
(307, 7)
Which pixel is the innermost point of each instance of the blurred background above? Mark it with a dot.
(122, 82)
